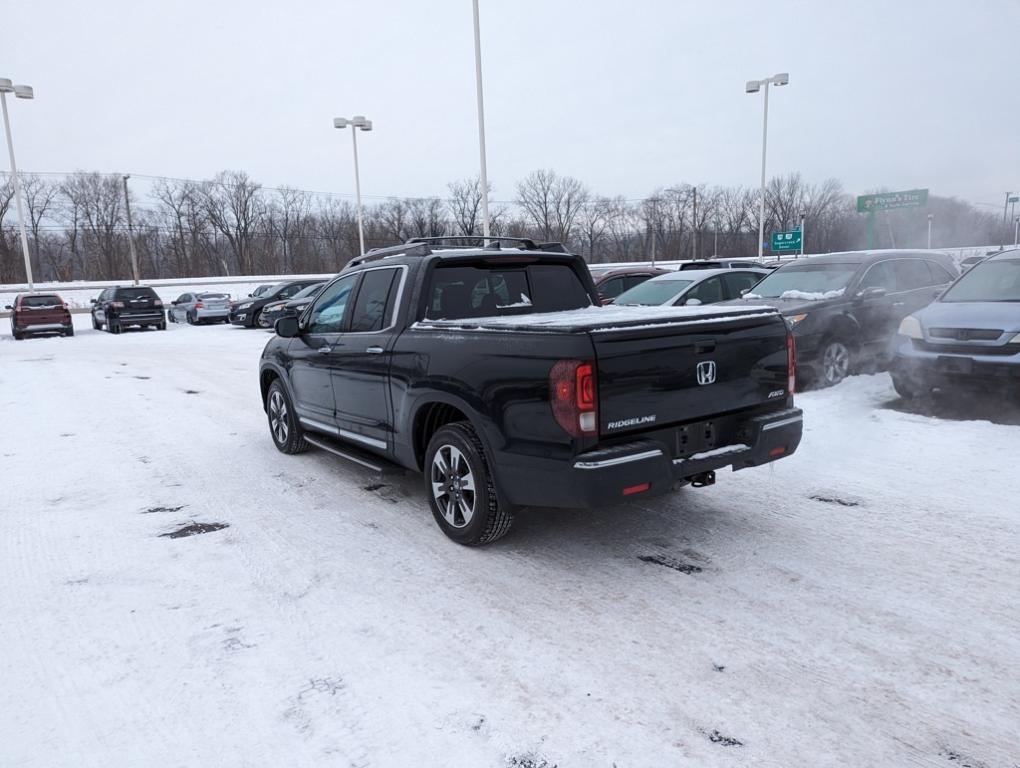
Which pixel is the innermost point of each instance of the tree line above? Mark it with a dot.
(232, 225)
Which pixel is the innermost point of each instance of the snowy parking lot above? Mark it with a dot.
(856, 604)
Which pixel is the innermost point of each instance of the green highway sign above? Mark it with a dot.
(786, 241)
(884, 201)
(1013, 200)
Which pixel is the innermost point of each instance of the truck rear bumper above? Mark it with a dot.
(643, 467)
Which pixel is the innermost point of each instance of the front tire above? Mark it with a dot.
(96, 325)
(908, 389)
(836, 362)
(288, 436)
(460, 487)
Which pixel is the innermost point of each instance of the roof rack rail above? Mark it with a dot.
(410, 248)
(481, 241)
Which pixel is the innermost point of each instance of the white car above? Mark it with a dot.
(692, 287)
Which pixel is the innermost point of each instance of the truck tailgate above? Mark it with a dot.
(656, 375)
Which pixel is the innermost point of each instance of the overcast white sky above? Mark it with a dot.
(627, 96)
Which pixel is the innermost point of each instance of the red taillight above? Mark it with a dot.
(572, 397)
(779, 450)
(158, 303)
(116, 304)
(791, 364)
(198, 305)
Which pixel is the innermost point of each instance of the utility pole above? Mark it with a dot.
(694, 249)
(21, 92)
(930, 217)
(131, 235)
(1016, 231)
(483, 172)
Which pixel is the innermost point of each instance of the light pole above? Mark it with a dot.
(358, 122)
(753, 86)
(21, 92)
(483, 173)
(131, 231)
(1016, 231)
(930, 217)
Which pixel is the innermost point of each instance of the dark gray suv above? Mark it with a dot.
(844, 308)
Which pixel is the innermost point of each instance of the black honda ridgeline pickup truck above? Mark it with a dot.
(495, 373)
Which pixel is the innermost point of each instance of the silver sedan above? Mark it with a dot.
(194, 308)
(692, 287)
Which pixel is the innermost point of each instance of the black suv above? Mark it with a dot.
(118, 308)
(845, 307)
(249, 312)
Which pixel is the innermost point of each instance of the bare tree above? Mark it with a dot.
(552, 204)
(234, 205)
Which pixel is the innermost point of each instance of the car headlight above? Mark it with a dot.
(1015, 339)
(911, 328)
(794, 319)
(245, 305)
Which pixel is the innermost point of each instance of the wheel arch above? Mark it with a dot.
(436, 411)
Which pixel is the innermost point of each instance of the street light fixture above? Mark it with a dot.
(21, 92)
(358, 122)
(753, 86)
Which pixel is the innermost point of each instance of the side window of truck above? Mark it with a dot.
(370, 306)
(327, 315)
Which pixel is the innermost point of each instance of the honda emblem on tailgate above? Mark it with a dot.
(706, 372)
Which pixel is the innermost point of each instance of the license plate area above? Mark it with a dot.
(947, 364)
(706, 435)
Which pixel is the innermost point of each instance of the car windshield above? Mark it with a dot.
(34, 302)
(652, 293)
(997, 280)
(310, 291)
(805, 279)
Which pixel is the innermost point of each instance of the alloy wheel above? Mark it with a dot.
(278, 417)
(453, 486)
(835, 362)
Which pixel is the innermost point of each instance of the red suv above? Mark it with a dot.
(39, 313)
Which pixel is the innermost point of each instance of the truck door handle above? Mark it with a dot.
(898, 303)
(375, 350)
(323, 350)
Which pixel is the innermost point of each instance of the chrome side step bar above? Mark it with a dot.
(353, 455)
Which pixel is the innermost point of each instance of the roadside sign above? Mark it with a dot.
(1013, 200)
(884, 201)
(786, 241)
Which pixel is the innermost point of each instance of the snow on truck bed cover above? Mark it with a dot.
(602, 319)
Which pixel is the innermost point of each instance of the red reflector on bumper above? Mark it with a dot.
(779, 450)
(632, 489)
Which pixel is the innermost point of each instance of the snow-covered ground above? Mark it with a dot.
(854, 605)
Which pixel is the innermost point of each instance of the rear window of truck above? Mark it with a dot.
(458, 291)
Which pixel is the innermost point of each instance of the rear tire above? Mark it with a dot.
(69, 332)
(17, 336)
(113, 326)
(161, 326)
(460, 487)
(287, 434)
(192, 320)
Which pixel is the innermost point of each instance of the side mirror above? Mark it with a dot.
(94, 301)
(9, 307)
(287, 327)
(250, 295)
(692, 302)
(872, 293)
